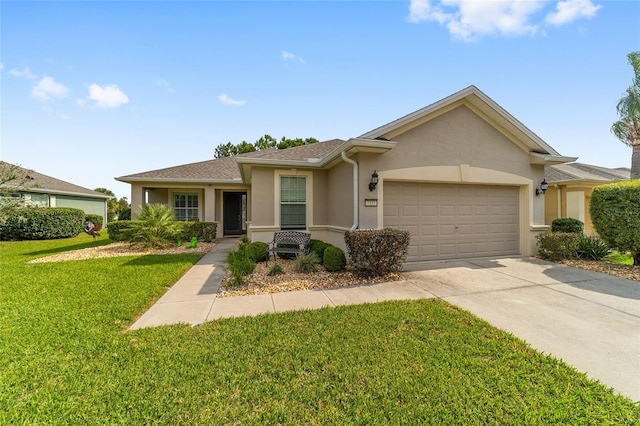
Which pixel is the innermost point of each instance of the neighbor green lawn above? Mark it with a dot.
(65, 358)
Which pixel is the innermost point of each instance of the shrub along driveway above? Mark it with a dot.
(590, 320)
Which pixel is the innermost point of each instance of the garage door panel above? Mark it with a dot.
(454, 221)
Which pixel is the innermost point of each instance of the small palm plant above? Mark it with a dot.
(156, 227)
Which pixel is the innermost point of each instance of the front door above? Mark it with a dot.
(234, 217)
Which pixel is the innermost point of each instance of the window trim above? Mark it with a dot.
(308, 174)
(176, 209)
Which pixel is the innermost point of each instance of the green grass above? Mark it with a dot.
(620, 258)
(64, 358)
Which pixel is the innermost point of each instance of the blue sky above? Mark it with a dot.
(95, 90)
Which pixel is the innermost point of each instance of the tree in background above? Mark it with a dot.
(12, 179)
(627, 128)
(265, 142)
(114, 207)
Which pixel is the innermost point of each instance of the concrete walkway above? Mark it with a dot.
(190, 299)
(588, 319)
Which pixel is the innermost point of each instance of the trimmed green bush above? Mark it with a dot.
(615, 213)
(334, 259)
(120, 230)
(203, 231)
(240, 265)
(96, 219)
(257, 251)
(558, 245)
(318, 247)
(379, 251)
(567, 225)
(593, 248)
(307, 263)
(42, 223)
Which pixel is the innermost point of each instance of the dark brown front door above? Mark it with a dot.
(234, 205)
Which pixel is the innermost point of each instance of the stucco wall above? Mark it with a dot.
(556, 204)
(262, 197)
(340, 196)
(320, 197)
(457, 137)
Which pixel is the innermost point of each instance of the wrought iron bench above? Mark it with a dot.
(291, 242)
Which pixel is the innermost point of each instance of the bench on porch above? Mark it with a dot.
(295, 242)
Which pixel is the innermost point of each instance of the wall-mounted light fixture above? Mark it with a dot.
(543, 187)
(374, 181)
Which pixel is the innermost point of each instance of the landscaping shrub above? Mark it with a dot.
(203, 231)
(615, 213)
(155, 227)
(567, 225)
(593, 248)
(120, 230)
(558, 245)
(377, 252)
(334, 259)
(96, 219)
(318, 247)
(276, 269)
(240, 266)
(257, 251)
(42, 223)
(307, 263)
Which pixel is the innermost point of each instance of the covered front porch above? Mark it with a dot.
(229, 205)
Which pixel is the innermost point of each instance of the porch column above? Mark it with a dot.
(137, 198)
(209, 204)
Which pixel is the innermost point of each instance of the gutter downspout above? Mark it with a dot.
(355, 189)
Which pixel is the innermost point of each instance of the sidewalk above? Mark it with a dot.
(192, 300)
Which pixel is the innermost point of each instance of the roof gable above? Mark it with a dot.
(474, 99)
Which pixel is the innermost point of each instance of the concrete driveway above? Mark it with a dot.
(590, 320)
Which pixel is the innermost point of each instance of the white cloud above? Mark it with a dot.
(48, 88)
(288, 56)
(24, 73)
(107, 96)
(571, 10)
(469, 20)
(165, 85)
(225, 99)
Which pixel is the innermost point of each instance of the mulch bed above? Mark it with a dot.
(629, 272)
(261, 283)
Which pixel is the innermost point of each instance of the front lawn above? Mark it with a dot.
(65, 358)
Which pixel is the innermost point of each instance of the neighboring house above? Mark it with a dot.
(459, 174)
(570, 187)
(45, 191)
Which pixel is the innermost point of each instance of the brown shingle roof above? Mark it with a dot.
(47, 184)
(581, 171)
(226, 168)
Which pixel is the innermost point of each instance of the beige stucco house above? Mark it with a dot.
(570, 188)
(460, 175)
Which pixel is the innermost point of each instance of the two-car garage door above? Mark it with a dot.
(449, 221)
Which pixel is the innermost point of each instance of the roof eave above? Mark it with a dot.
(59, 192)
(126, 179)
(548, 159)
